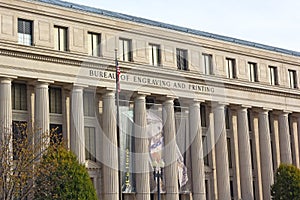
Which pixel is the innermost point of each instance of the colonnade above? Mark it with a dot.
(110, 190)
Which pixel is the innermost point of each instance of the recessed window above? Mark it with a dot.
(89, 104)
(154, 54)
(227, 117)
(253, 77)
(125, 50)
(292, 78)
(205, 150)
(182, 62)
(25, 32)
(55, 102)
(90, 143)
(60, 38)
(56, 136)
(203, 116)
(273, 75)
(94, 40)
(19, 129)
(229, 152)
(207, 63)
(231, 70)
(19, 96)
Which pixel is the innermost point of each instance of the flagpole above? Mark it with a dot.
(118, 122)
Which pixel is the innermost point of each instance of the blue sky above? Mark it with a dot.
(272, 22)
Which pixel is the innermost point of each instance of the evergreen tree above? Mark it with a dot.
(69, 180)
(287, 183)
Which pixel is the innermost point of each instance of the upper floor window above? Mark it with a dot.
(253, 77)
(60, 38)
(273, 75)
(203, 115)
(227, 117)
(292, 78)
(125, 49)
(55, 103)
(182, 62)
(94, 44)
(207, 63)
(154, 54)
(19, 96)
(25, 32)
(231, 69)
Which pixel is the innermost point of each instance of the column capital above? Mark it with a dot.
(282, 112)
(262, 110)
(140, 95)
(6, 80)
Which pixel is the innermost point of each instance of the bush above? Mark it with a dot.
(69, 180)
(287, 183)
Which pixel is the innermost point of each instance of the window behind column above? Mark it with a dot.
(19, 96)
(19, 136)
(182, 62)
(154, 54)
(292, 78)
(125, 50)
(56, 133)
(25, 32)
(55, 100)
(229, 152)
(94, 41)
(203, 115)
(89, 104)
(90, 143)
(60, 38)
(207, 64)
(205, 150)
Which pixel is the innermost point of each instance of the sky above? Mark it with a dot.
(271, 22)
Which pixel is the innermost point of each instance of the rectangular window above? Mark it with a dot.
(94, 40)
(125, 50)
(25, 32)
(253, 72)
(60, 38)
(292, 78)
(231, 71)
(273, 75)
(207, 189)
(207, 63)
(90, 143)
(227, 118)
(182, 62)
(229, 152)
(89, 104)
(249, 120)
(154, 54)
(203, 115)
(56, 136)
(19, 129)
(231, 190)
(252, 154)
(19, 96)
(205, 150)
(55, 100)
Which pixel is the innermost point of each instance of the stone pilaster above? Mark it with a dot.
(77, 123)
(42, 117)
(141, 149)
(221, 152)
(265, 153)
(110, 148)
(5, 108)
(295, 142)
(244, 154)
(284, 139)
(171, 171)
(198, 173)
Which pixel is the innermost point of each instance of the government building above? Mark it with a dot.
(214, 115)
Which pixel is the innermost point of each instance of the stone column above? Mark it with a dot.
(110, 148)
(171, 171)
(141, 149)
(221, 152)
(245, 154)
(284, 139)
(265, 153)
(42, 117)
(5, 108)
(295, 142)
(77, 123)
(198, 173)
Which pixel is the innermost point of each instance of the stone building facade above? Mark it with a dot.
(228, 109)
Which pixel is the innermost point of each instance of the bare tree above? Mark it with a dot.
(21, 151)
